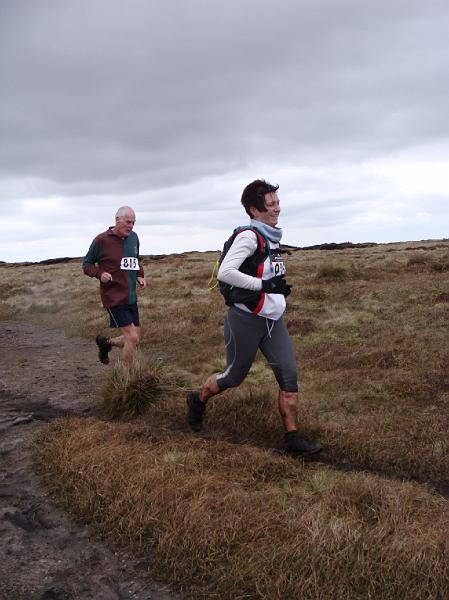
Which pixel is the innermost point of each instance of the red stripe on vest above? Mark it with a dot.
(259, 304)
(260, 274)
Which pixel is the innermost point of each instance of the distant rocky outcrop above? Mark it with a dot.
(48, 261)
(55, 261)
(341, 246)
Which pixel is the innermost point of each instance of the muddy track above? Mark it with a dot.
(43, 555)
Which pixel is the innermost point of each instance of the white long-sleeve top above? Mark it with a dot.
(244, 245)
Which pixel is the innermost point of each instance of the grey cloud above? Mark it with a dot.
(157, 93)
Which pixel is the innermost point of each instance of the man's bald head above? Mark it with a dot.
(125, 217)
(125, 211)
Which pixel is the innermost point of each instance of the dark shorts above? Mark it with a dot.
(123, 315)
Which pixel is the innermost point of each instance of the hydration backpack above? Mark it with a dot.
(253, 265)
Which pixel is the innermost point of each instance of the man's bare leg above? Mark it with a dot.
(117, 342)
(128, 342)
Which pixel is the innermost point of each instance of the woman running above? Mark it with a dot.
(252, 277)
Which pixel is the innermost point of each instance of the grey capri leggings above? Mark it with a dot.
(244, 334)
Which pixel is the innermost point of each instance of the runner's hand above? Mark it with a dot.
(276, 285)
(105, 277)
(288, 289)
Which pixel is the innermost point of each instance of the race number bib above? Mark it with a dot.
(278, 268)
(277, 264)
(129, 263)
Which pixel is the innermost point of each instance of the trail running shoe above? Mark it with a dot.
(300, 446)
(103, 348)
(195, 411)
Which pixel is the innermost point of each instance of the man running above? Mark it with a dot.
(113, 258)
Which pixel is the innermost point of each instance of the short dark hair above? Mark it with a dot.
(254, 194)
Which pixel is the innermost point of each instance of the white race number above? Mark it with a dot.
(129, 263)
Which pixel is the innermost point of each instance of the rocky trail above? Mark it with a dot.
(43, 555)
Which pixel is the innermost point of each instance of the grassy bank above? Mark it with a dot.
(223, 521)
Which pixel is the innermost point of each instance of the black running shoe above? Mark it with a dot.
(195, 411)
(103, 348)
(300, 446)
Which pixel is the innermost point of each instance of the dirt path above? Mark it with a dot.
(43, 556)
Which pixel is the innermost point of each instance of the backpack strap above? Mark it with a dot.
(263, 245)
(259, 256)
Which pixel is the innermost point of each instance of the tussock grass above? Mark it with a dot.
(427, 262)
(224, 521)
(331, 271)
(128, 392)
(419, 260)
(441, 266)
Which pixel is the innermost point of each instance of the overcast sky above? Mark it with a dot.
(173, 106)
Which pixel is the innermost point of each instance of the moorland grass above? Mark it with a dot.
(374, 369)
(220, 520)
(128, 392)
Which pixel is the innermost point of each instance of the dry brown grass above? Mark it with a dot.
(331, 272)
(227, 521)
(374, 368)
(128, 392)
